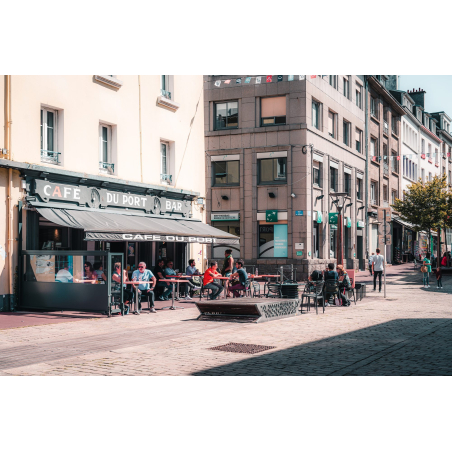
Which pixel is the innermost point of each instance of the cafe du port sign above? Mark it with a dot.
(98, 198)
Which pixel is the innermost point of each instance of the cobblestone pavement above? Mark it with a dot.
(408, 333)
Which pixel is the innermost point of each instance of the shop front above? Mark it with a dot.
(75, 229)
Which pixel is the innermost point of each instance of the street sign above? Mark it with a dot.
(298, 213)
(299, 253)
(384, 241)
(384, 229)
(384, 214)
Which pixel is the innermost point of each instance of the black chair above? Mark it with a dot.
(202, 290)
(313, 291)
(247, 290)
(351, 290)
(274, 290)
(331, 288)
(257, 290)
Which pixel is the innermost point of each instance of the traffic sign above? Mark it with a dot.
(384, 241)
(384, 214)
(384, 229)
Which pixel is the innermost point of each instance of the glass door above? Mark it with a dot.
(115, 283)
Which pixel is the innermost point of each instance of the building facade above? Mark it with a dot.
(278, 149)
(103, 145)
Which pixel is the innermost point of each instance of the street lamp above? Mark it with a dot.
(339, 201)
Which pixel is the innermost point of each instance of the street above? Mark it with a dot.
(409, 333)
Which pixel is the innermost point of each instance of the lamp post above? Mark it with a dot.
(339, 205)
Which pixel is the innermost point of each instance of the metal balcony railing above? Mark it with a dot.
(106, 167)
(49, 156)
(166, 178)
(166, 94)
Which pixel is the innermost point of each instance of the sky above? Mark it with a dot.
(438, 88)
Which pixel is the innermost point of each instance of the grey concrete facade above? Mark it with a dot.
(326, 143)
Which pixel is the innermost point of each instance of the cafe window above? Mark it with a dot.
(273, 111)
(225, 173)
(272, 240)
(333, 178)
(227, 115)
(272, 171)
(317, 173)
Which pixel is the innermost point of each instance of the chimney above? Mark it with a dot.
(419, 97)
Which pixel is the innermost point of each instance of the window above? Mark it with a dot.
(430, 177)
(374, 151)
(450, 177)
(272, 240)
(385, 193)
(272, 171)
(317, 173)
(225, 173)
(359, 188)
(105, 154)
(423, 146)
(227, 115)
(49, 152)
(232, 227)
(436, 155)
(164, 163)
(346, 133)
(333, 178)
(316, 114)
(358, 93)
(333, 80)
(273, 111)
(373, 192)
(393, 196)
(331, 124)
(373, 107)
(165, 86)
(426, 121)
(394, 124)
(346, 87)
(419, 114)
(358, 140)
(394, 162)
(347, 183)
(429, 151)
(423, 174)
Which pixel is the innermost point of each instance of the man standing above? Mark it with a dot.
(377, 267)
(210, 274)
(142, 274)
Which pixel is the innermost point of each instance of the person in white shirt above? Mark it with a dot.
(377, 267)
(64, 275)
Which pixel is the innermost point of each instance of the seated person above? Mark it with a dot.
(315, 276)
(142, 274)
(88, 275)
(99, 271)
(344, 284)
(64, 276)
(169, 273)
(330, 276)
(159, 274)
(243, 279)
(210, 274)
(116, 277)
(191, 270)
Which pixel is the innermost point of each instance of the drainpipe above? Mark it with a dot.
(9, 213)
(366, 140)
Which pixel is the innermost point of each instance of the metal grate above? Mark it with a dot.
(235, 347)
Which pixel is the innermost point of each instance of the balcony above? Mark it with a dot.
(107, 168)
(385, 128)
(50, 156)
(168, 178)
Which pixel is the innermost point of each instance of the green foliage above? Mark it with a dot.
(426, 205)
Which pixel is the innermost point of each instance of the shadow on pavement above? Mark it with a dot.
(398, 347)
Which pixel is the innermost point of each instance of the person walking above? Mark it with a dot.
(439, 277)
(377, 267)
(426, 274)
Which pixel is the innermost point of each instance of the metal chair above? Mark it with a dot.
(351, 290)
(256, 290)
(274, 290)
(202, 289)
(315, 295)
(331, 288)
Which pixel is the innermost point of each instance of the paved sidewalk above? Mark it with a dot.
(408, 333)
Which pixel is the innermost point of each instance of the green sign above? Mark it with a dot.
(271, 216)
(349, 222)
(299, 253)
(360, 224)
(332, 218)
(333, 227)
(319, 216)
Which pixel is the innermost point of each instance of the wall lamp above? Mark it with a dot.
(225, 198)
(349, 205)
(271, 194)
(320, 197)
(335, 201)
(361, 208)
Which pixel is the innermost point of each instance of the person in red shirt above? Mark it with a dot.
(209, 275)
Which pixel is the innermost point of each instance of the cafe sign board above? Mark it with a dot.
(98, 198)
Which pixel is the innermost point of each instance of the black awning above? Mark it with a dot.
(117, 227)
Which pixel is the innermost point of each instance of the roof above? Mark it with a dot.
(380, 89)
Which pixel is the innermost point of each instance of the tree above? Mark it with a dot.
(427, 206)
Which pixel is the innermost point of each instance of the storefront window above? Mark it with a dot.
(231, 227)
(273, 240)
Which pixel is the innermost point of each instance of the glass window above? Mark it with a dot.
(316, 114)
(393, 196)
(359, 188)
(227, 115)
(317, 174)
(331, 121)
(105, 154)
(273, 111)
(373, 147)
(333, 79)
(358, 136)
(346, 132)
(346, 86)
(273, 240)
(373, 193)
(272, 171)
(49, 136)
(164, 156)
(347, 183)
(226, 173)
(394, 162)
(104, 140)
(385, 193)
(373, 107)
(333, 178)
(333, 236)
(423, 174)
(358, 97)
(232, 227)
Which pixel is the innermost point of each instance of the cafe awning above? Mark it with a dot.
(119, 227)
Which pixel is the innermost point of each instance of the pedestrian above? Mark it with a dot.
(427, 269)
(370, 263)
(444, 260)
(377, 267)
(439, 277)
(144, 289)
(208, 283)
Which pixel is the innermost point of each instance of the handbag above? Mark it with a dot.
(424, 269)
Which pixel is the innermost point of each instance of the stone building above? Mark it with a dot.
(278, 148)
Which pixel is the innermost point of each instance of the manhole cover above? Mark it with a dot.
(234, 347)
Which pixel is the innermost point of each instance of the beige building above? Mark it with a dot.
(128, 147)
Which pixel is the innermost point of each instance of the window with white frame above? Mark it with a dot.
(429, 151)
(333, 80)
(106, 164)
(316, 114)
(331, 124)
(430, 177)
(346, 86)
(436, 155)
(165, 175)
(165, 86)
(423, 174)
(49, 139)
(358, 94)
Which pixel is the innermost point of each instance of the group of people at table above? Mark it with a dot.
(163, 274)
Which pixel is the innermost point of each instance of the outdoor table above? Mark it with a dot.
(173, 282)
